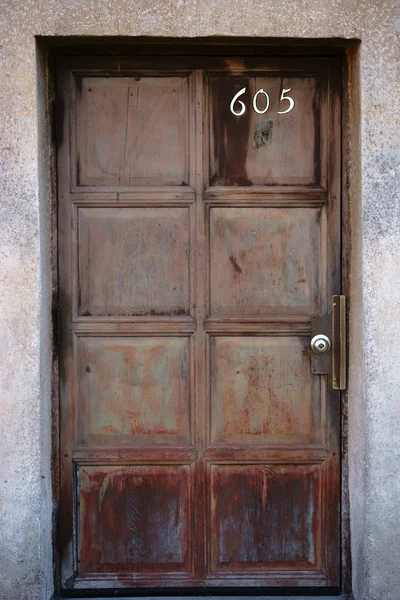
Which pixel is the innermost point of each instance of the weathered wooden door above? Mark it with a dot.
(197, 239)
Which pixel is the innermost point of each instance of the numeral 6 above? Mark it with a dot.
(243, 109)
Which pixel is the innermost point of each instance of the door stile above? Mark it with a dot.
(200, 499)
(333, 237)
(67, 534)
(192, 312)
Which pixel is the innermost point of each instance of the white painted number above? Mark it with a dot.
(289, 99)
(243, 109)
(258, 111)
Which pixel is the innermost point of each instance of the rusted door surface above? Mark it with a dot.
(195, 246)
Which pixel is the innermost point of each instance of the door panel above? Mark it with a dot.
(262, 392)
(134, 390)
(134, 518)
(259, 261)
(197, 448)
(291, 152)
(133, 261)
(132, 131)
(253, 505)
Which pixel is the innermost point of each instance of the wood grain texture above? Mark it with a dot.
(263, 392)
(260, 263)
(295, 151)
(134, 391)
(133, 261)
(265, 516)
(134, 518)
(132, 131)
(197, 449)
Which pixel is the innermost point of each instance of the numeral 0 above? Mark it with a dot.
(242, 110)
(260, 112)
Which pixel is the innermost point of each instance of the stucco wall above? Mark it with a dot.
(25, 273)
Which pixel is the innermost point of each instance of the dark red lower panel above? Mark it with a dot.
(266, 517)
(134, 518)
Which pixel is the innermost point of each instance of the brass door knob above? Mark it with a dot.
(320, 344)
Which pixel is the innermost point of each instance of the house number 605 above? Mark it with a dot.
(242, 109)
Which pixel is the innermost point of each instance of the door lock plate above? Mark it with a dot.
(339, 355)
(328, 344)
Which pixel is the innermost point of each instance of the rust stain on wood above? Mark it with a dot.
(235, 264)
(230, 156)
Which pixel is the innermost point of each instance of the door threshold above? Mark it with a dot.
(313, 597)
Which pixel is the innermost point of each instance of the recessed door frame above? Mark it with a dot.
(239, 47)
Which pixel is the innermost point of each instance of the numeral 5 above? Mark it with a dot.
(289, 99)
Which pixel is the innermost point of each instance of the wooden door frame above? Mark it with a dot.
(49, 48)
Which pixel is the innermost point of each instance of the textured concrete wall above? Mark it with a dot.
(25, 360)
